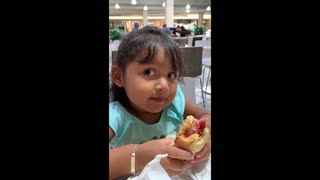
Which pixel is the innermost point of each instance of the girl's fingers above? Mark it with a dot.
(204, 151)
(176, 153)
(202, 158)
(173, 151)
(178, 165)
(174, 167)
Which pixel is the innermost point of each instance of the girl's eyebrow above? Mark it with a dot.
(145, 62)
(152, 63)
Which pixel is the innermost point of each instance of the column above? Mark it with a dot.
(145, 18)
(200, 19)
(169, 13)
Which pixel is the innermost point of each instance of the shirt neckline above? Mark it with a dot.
(136, 119)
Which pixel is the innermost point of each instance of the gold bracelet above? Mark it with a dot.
(133, 160)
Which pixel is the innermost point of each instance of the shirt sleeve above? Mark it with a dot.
(115, 119)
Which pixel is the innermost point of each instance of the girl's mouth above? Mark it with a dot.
(158, 99)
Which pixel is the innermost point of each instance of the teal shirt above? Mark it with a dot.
(129, 129)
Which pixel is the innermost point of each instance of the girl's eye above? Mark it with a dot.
(149, 72)
(172, 76)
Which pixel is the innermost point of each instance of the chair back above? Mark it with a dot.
(113, 47)
(196, 39)
(181, 41)
(203, 43)
(193, 61)
(114, 55)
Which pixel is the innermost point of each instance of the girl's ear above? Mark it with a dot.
(116, 76)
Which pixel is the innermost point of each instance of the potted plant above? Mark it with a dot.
(115, 34)
(199, 30)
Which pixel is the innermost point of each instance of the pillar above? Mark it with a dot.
(200, 19)
(169, 13)
(145, 18)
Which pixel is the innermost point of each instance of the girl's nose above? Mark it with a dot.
(162, 85)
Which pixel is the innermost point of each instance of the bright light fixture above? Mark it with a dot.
(188, 10)
(189, 16)
(208, 8)
(188, 6)
(133, 2)
(163, 4)
(145, 8)
(117, 6)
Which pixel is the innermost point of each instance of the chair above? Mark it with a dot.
(114, 55)
(195, 39)
(113, 47)
(206, 53)
(206, 62)
(203, 43)
(193, 65)
(193, 61)
(181, 41)
(205, 89)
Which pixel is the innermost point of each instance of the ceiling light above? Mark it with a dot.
(188, 6)
(133, 2)
(117, 6)
(208, 8)
(163, 4)
(145, 8)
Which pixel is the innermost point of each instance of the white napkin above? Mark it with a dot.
(154, 171)
(200, 171)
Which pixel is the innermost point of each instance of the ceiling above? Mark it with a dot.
(155, 7)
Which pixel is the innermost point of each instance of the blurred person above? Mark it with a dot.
(184, 32)
(165, 29)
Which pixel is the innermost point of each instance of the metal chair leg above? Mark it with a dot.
(208, 81)
(205, 89)
(201, 86)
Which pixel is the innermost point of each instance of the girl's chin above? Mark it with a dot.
(155, 109)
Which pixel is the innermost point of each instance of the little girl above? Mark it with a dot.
(148, 104)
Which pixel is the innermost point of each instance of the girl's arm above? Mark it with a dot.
(119, 161)
(120, 158)
(197, 111)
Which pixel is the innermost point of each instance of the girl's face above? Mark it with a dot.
(150, 87)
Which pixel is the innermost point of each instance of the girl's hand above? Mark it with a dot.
(203, 154)
(175, 163)
(175, 166)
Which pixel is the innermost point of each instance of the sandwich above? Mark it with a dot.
(193, 135)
